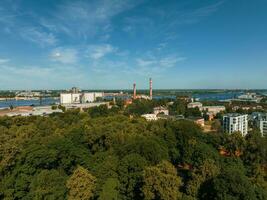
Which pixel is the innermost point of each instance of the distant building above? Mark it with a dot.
(213, 109)
(263, 127)
(249, 97)
(75, 90)
(234, 122)
(260, 120)
(69, 98)
(198, 120)
(150, 117)
(161, 110)
(91, 97)
(72, 98)
(195, 105)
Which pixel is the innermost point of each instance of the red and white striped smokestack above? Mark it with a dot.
(134, 91)
(150, 88)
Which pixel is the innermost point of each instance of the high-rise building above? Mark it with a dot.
(263, 127)
(234, 122)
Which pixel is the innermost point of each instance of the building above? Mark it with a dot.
(263, 127)
(150, 117)
(194, 105)
(91, 96)
(213, 109)
(260, 120)
(69, 98)
(197, 120)
(234, 122)
(253, 97)
(161, 110)
(72, 98)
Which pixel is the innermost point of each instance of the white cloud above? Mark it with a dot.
(159, 62)
(3, 61)
(143, 63)
(39, 37)
(64, 55)
(84, 19)
(170, 61)
(98, 51)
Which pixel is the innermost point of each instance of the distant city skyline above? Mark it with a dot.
(110, 44)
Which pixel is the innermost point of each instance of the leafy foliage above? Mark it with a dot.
(106, 154)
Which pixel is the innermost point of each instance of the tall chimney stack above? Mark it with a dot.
(134, 91)
(150, 88)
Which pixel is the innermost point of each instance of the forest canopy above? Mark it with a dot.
(100, 154)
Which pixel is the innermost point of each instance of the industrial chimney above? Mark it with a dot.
(134, 91)
(150, 88)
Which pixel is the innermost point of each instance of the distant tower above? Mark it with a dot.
(150, 88)
(134, 91)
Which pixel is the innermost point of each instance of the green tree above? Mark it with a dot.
(130, 175)
(230, 184)
(161, 182)
(110, 190)
(81, 185)
(48, 184)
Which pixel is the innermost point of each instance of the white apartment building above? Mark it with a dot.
(234, 122)
(263, 127)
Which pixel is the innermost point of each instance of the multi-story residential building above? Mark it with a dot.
(260, 120)
(234, 122)
(195, 105)
(263, 127)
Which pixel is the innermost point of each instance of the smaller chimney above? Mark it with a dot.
(150, 88)
(134, 91)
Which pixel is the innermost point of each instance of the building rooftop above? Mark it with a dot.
(234, 115)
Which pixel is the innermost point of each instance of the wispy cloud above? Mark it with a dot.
(64, 55)
(39, 37)
(3, 60)
(157, 64)
(85, 19)
(98, 51)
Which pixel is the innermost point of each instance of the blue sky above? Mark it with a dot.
(109, 44)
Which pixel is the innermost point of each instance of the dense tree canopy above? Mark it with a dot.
(106, 154)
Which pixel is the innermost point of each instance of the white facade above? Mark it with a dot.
(65, 98)
(213, 109)
(235, 122)
(263, 127)
(76, 98)
(150, 117)
(158, 110)
(68, 98)
(98, 94)
(71, 98)
(88, 97)
(91, 96)
(195, 105)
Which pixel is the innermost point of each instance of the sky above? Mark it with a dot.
(110, 44)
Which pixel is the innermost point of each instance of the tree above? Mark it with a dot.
(130, 176)
(48, 185)
(81, 185)
(161, 182)
(199, 175)
(110, 190)
(230, 184)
